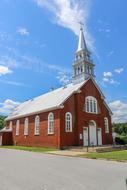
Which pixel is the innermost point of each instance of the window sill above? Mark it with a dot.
(69, 131)
(92, 113)
(107, 132)
(50, 134)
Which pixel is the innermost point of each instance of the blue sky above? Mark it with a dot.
(38, 39)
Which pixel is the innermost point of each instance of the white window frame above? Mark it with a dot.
(50, 123)
(26, 127)
(68, 122)
(91, 105)
(37, 125)
(10, 125)
(17, 127)
(106, 125)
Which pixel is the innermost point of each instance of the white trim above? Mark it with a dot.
(102, 96)
(50, 123)
(106, 125)
(96, 85)
(26, 127)
(91, 105)
(108, 108)
(91, 127)
(0, 139)
(10, 125)
(85, 136)
(99, 136)
(17, 127)
(37, 125)
(34, 113)
(68, 121)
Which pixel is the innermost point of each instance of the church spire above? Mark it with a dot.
(81, 43)
(83, 67)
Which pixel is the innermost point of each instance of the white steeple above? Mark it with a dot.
(81, 43)
(83, 67)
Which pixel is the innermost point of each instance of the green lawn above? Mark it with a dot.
(32, 149)
(115, 155)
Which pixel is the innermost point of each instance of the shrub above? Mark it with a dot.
(122, 140)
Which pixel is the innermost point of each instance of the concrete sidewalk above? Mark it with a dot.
(67, 153)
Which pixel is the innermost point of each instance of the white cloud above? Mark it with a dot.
(4, 70)
(110, 81)
(64, 78)
(14, 59)
(4, 36)
(110, 53)
(14, 83)
(23, 31)
(8, 106)
(119, 110)
(107, 74)
(119, 71)
(7, 61)
(107, 30)
(68, 14)
(106, 79)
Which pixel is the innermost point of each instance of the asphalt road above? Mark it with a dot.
(20, 170)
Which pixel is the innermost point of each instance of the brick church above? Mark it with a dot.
(73, 115)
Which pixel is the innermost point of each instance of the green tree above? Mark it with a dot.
(120, 128)
(2, 122)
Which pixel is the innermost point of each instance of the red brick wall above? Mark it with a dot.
(43, 139)
(68, 138)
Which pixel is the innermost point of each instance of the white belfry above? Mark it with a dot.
(83, 67)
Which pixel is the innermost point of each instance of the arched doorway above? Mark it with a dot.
(92, 133)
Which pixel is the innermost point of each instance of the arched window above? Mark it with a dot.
(26, 125)
(50, 123)
(106, 125)
(10, 125)
(68, 122)
(92, 123)
(37, 125)
(91, 104)
(17, 127)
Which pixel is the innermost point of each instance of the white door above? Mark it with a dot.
(92, 133)
(0, 140)
(99, 134)
(85, 136)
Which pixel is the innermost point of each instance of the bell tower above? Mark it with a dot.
(83, 67)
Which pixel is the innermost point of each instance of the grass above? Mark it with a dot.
(115, 155)
(31, 149)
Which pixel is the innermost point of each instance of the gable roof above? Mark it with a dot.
(49, 101)
(102, 95)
